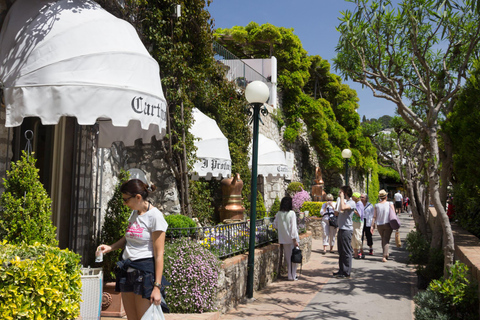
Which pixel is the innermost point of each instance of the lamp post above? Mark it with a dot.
(256, 94)
(346, 154)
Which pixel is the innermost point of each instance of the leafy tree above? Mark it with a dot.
(114, 226)
(310, 94)
(27, 209)
(395, 51)
(462, 127)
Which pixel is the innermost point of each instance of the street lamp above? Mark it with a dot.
(346, 154)
(256, 94)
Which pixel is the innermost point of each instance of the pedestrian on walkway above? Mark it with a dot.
(328, 223)
(357, 222)
(344, 241)
(140, 277)
(381, 221)
(398, 202)
(286, 224)
(367, 223)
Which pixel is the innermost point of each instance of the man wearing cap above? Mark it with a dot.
(357, 221)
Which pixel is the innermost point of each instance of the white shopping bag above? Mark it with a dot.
(153, 313)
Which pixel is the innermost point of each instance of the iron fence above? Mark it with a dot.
(229, 239)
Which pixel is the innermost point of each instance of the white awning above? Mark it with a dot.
(271, 159)
(72, 58)
(212, 148)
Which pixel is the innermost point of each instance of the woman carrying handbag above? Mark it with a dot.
(381, 220)
(286, 224)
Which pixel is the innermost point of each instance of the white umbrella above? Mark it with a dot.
(271, 159)
(212, 148)
(73, 58)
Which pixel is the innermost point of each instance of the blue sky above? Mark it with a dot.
(313, 21)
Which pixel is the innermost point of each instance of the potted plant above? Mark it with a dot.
(114, 226)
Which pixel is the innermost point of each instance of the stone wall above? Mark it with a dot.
(269, 262)
(467, 251)
(314, 226)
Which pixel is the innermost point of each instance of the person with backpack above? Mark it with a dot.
(329, 223)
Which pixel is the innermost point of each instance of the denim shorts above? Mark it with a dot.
(138, 282)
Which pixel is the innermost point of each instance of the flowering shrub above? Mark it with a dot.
(299, 198)
(193, 272)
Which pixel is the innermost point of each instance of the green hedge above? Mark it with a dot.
(313, 208)
(39, 282)
(178, 221)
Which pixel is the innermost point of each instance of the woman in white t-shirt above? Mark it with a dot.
(286, 224)
(144, 245)
(381, 221)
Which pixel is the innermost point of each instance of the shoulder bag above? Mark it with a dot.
(394, 222)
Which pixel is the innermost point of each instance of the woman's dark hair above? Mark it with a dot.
(347, 190)
(136, 186)
(286, 204)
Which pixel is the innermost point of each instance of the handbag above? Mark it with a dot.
(296, 258)
(394, 222)
(296, 255)
(398, 241)
(332, 220)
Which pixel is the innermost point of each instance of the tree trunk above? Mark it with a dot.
(434, 183)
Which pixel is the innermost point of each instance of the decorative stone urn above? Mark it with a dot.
(232, 203)
(112, 304)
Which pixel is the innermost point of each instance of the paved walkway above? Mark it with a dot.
(376, 290)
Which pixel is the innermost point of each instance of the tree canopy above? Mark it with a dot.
(310, 94)
(415, 54)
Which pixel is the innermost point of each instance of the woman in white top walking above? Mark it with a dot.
(381, 220)
(329, 231)
(286, 224)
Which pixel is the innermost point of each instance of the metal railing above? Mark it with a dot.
(235, 69)
(229, 239)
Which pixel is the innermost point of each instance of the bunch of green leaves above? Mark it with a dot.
(313, 208)
(275, 207)
(27, 208)
(193, 272)
(39, 282)
(114, 226)
(261, 209)
(418, 247)
(201, 193)
(294, 187)
(179, 221)
(454, 297)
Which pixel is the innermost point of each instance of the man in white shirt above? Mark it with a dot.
(398, 202)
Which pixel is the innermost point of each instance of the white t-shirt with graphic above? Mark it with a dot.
(139, 233)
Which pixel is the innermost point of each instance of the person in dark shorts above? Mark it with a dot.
(398, 202)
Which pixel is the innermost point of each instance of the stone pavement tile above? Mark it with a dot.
(178, 316)
(285, 299)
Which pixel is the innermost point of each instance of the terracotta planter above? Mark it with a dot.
(112, 304)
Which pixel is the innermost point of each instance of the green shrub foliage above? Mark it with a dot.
(39, 282)
(313, 208)
(452, 298)
(294, 187)
(275, 208)
(201, 195)
(261, 210)
(193, 272)
(114, 226)
(26, 206)
(418, 247)
(178, 221)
